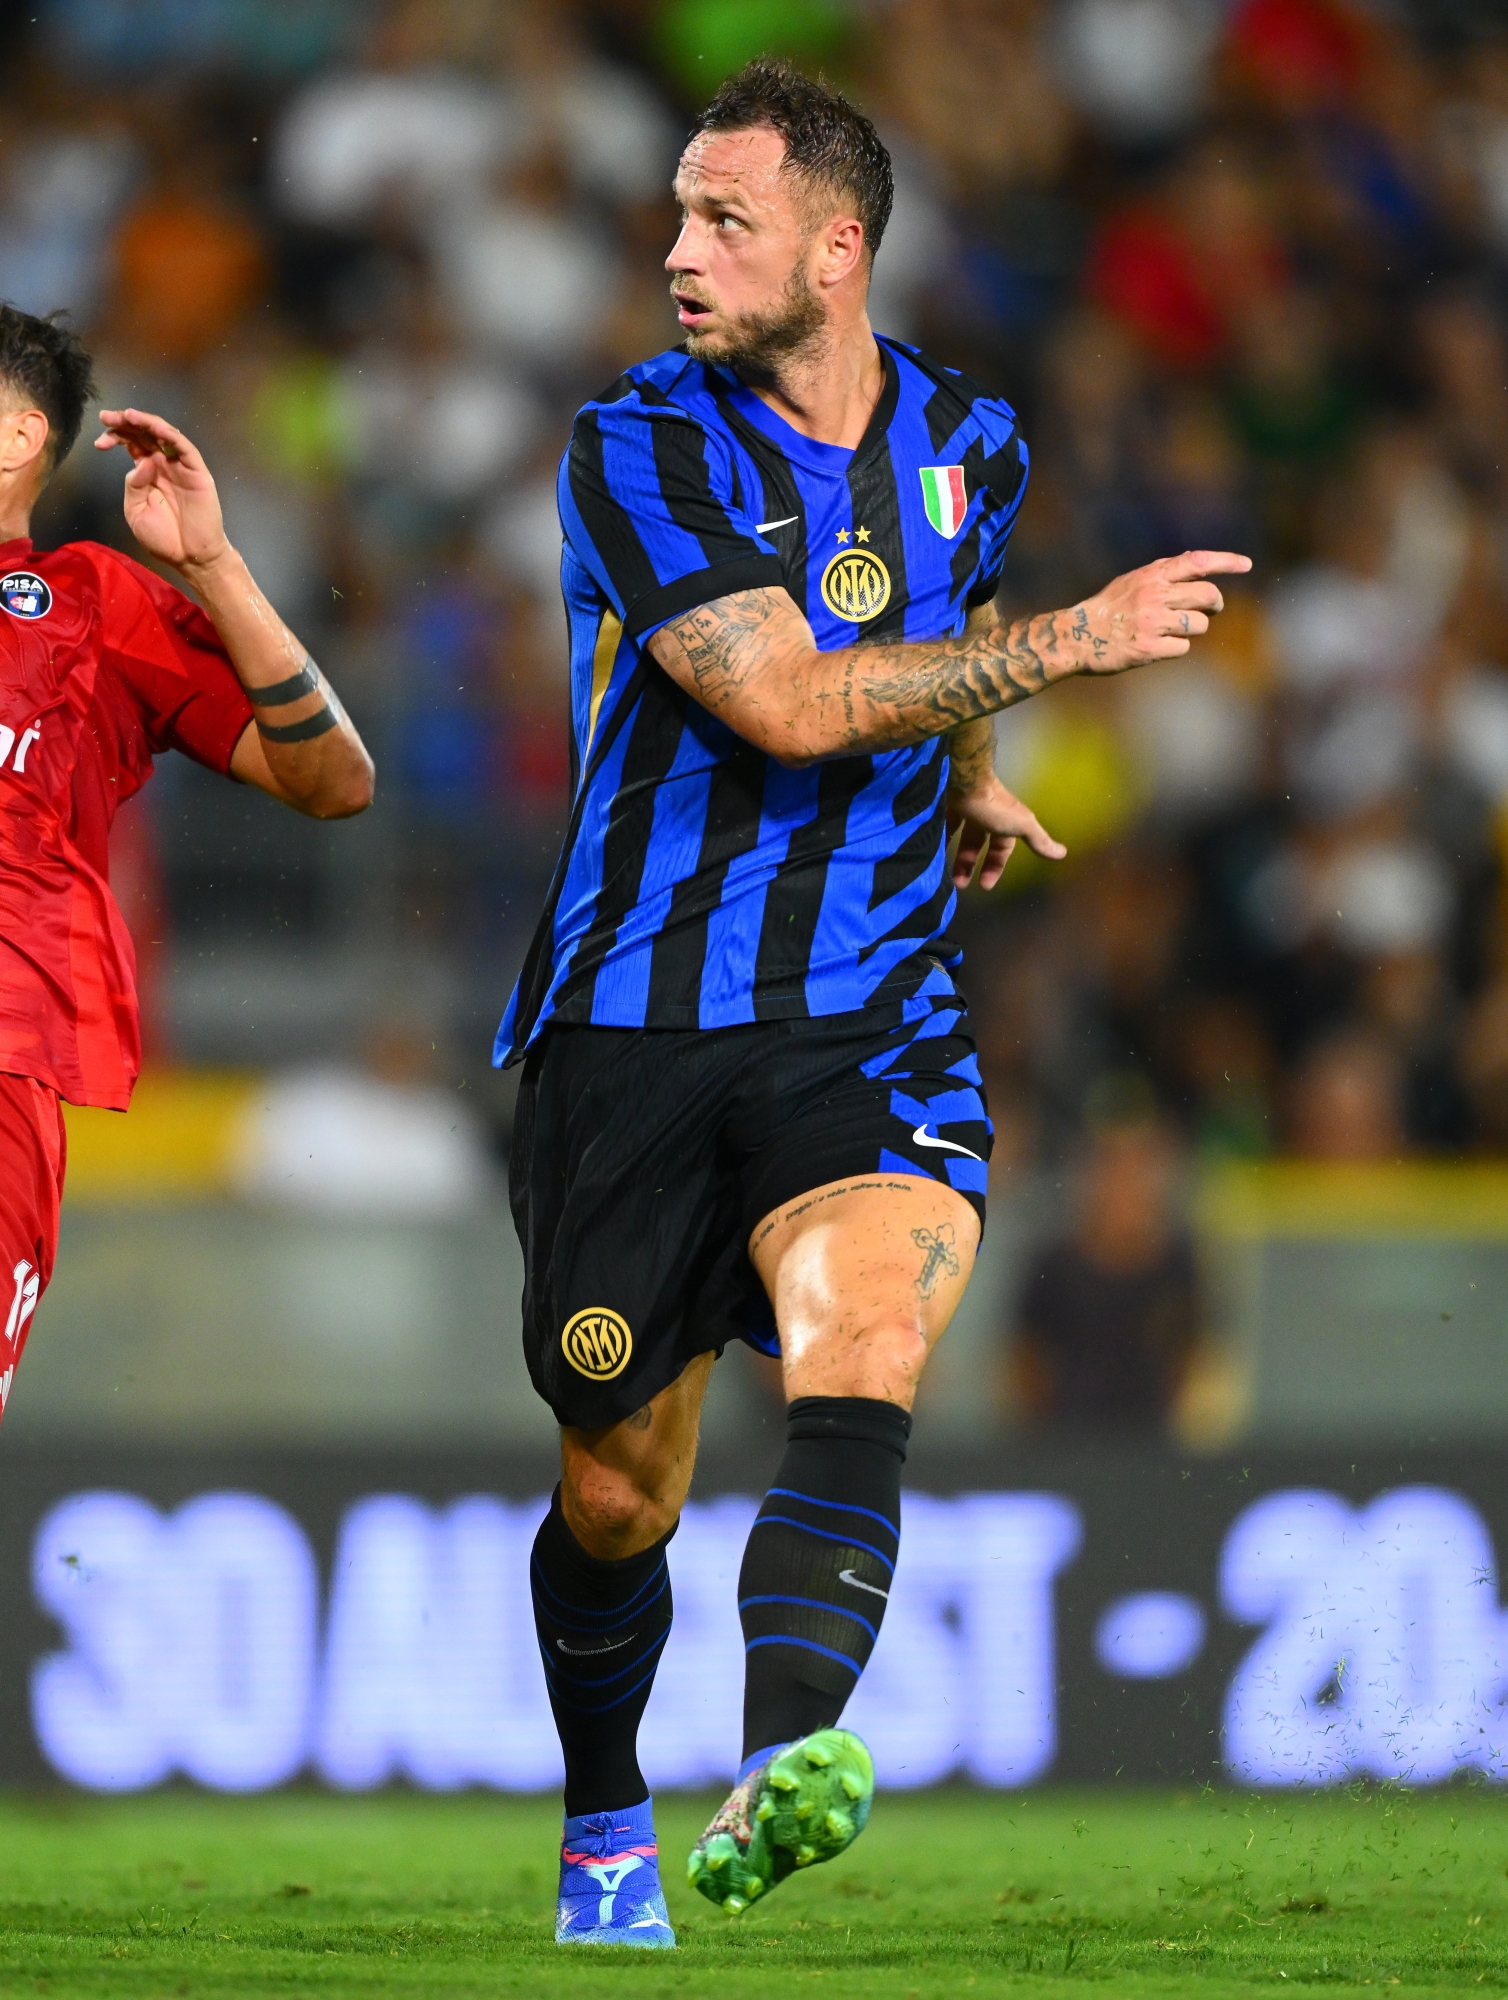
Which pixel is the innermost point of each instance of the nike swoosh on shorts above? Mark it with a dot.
(922, 1137)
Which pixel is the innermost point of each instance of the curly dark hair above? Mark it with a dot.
(829, 143)
(45, 361)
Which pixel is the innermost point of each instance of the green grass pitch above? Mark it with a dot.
(949, 1893)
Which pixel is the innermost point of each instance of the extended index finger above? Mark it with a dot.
(1195, 563)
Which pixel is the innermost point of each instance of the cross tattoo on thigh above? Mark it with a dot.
(941, 1256)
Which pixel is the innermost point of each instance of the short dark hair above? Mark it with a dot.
(45, 361)
(827, 140)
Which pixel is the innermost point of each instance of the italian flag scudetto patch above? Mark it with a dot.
(947, 502)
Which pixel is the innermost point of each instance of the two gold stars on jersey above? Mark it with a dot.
(856, 583)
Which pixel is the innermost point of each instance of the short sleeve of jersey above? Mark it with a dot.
(173, 664)
(650, 505)
(1004, 474)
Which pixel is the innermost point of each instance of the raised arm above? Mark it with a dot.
(302, 747)
(751, 659)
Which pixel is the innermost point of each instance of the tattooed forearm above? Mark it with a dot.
(960, 680)
(971, 756)
(751, 658)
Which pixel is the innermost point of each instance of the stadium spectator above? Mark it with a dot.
(1109, 1314)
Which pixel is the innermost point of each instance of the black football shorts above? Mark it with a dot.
(644, 1158)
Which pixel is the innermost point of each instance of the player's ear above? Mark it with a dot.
(843, 248)
(23, 438)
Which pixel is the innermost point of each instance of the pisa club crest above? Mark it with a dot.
(855, 586)
(25, 595)
(945, 498)
(597, 1343)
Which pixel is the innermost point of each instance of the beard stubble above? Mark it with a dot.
(755, 343)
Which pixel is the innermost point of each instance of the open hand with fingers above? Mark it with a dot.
(1150, 613)
(171, 504)
(992, 820)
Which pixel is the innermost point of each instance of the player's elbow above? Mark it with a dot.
(344, 794)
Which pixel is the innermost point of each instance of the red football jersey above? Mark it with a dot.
(102, 666)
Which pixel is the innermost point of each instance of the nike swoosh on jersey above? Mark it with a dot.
(764, 527)
(922, 1137)
(847, 1576)
(591, 1652)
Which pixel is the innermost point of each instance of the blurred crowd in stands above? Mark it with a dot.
(1241, 265)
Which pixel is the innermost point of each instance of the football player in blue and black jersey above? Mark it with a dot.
(750, 1105)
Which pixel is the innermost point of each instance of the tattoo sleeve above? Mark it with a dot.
(751, 658)
(971, 755)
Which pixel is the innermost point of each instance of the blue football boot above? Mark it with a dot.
(610, 1881)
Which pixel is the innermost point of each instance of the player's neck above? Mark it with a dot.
(828, 388)
(16, 504)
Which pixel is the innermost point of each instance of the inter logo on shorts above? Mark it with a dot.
(25, 595)
(945, 498)
(855, 585)
(597, 1343)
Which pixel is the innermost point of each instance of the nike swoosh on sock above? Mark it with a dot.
(591, 1652)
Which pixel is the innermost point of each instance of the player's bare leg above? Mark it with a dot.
(864, 1276)
(623, 1488)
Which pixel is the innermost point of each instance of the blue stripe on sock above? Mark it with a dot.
(573, 1677)
(808, 1645)
(620, 1614)
(836, 1506)
(845, 1541)
(597, 1631)
(560, 1681)
(813, 1604)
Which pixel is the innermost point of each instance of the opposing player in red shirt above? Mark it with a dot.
(103, 666)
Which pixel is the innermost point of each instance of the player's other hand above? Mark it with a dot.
(171, 504)
(992, 821)
(1151, 613)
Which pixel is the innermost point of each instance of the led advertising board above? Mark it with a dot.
(1126, 1617)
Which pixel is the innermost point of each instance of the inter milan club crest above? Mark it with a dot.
(597, 1343)
(25, 595)
(856, 585)
(946, 500)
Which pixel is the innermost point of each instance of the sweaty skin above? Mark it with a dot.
(770, 277)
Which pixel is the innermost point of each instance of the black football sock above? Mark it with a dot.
(816, 1573)
(602, 1627)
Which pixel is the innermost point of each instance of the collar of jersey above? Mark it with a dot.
(16, 551)
(809, 451)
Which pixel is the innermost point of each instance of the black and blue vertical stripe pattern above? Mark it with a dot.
(704, 885)
(815, 1582)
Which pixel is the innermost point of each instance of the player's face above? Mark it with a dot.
(739, 267)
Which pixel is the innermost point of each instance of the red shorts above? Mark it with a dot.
(33, 1152)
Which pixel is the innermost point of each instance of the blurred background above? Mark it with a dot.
(1242, 268)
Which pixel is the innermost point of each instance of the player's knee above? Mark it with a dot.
(882, 1358)
(610, 1513)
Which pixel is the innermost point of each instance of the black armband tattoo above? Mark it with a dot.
(305, 681)
(300, 732)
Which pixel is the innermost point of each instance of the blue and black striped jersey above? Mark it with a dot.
(702, 884)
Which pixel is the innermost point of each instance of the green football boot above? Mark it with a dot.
(809, 1802)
